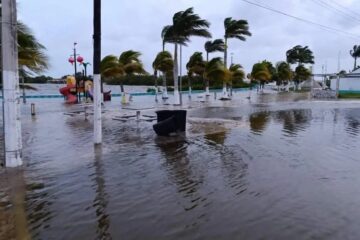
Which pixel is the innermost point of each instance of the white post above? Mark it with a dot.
(97, 109)
(11, 92)
(98, 96)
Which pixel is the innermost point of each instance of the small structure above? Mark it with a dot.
(348, 82)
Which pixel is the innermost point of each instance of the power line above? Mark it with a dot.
(324, 27)
(345, 8)
(335, 9)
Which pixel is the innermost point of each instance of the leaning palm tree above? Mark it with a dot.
(237, 72)
(111, 68)
(128, 63)
(31, 53)
(195, 66)
(233, 29)
(215, 70)
(185, 24)
(212, 46)
(132, 64)
(355, 53)
(217, 45)
(163, 63)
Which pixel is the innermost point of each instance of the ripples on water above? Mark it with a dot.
(288, 173)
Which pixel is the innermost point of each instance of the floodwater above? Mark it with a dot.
(277, 167)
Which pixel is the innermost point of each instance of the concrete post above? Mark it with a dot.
(97, 76)
(11, 90)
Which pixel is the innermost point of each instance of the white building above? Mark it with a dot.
(348, 83)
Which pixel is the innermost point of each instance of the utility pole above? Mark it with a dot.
(11, 92)
(97, 75)
(338, 77)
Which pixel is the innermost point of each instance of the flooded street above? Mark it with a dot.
(277, 167)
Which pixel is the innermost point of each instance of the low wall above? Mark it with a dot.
(323, 94)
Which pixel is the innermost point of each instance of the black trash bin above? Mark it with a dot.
(169, 121)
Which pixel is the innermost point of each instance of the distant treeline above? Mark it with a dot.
(197, 83)
(37, 79)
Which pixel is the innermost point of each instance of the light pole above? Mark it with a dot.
(73, 59)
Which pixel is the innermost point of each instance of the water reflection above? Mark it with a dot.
(186, 170)
(38, 207)
(294, 120)
(180, 171)
(352, 118)
(101, 197)
(231, 160)
(218, 137)
(258, 121)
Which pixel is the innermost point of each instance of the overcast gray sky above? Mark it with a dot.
(137, 24)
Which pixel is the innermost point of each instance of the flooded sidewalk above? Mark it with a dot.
(275, 166)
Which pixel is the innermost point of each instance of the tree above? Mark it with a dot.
(355, 53)
(163, 63)
(128, 63)
(284, 72)
(238, 29)
(217, 45)
(236, 73)
(185, 24)
(300, 55)
(272, 70)
(32, 57)
(215, 69)
(195, 66)
(260, 73)
(301, 74)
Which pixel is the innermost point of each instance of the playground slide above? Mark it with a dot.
(70, 98)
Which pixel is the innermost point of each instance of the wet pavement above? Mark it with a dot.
(277, 166)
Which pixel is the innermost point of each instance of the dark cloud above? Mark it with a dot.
(137, 25)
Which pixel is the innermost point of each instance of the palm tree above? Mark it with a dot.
(300, 55)
(128, 63)
(284, 72)
(212, 46)
(164, 63)
(301, 74)
(215, 70)
(355, 53)
(217, 45)
(185, 24)
(110, 67)
(234, 29)
(237, 72)
(260, 73)
(31, 53)
(195, 66)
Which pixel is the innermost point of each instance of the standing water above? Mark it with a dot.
(277, 167)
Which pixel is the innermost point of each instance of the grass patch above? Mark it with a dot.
(349, 95)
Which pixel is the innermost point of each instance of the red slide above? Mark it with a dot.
(70, 98)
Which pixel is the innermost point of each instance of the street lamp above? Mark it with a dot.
(73, 58)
